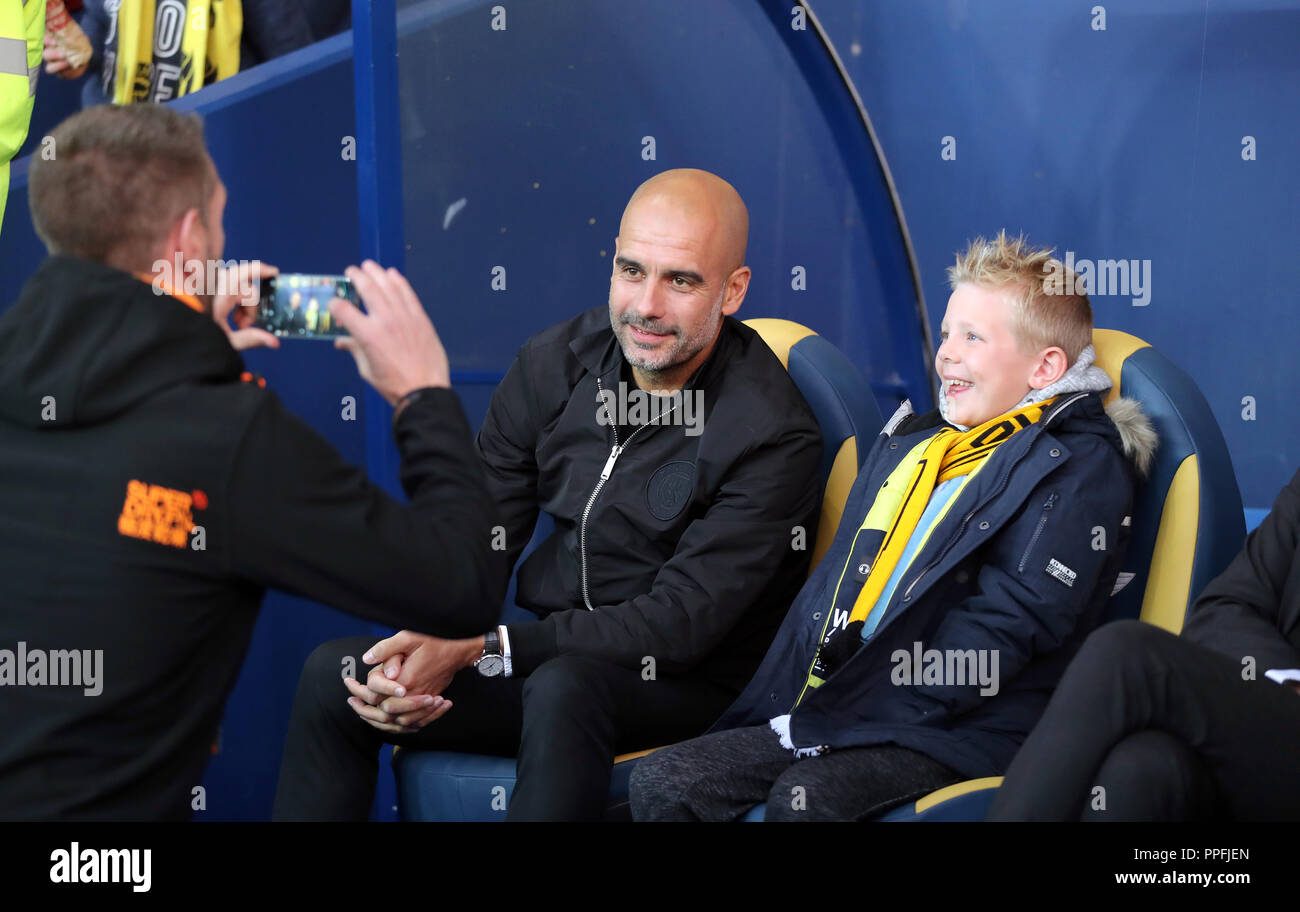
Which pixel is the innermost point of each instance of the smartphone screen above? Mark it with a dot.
(296, 305)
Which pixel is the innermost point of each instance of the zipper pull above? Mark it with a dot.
(609, 463)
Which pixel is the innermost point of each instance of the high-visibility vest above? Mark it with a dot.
(22, 30)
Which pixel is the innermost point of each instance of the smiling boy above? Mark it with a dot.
(971, 534)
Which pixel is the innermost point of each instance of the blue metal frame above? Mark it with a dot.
(379, 182)
(856, 138)
(379, 179)
(379, 131)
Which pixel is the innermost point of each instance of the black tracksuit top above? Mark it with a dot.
(692, 545)
(127, 441)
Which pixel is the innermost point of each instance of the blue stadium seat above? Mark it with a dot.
(446, 786)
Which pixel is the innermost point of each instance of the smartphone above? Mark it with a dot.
(295, 305)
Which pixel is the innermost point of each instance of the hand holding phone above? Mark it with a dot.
(396, 348)
(238, 302)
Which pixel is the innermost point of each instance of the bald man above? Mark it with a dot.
(677, 459)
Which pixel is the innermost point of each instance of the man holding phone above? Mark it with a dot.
(149, 494)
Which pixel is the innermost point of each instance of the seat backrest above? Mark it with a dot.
(1187, 516)
(843, 405)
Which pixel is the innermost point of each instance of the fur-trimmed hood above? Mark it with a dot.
(1137, 436)
(1135, 431)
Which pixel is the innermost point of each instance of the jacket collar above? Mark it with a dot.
(188, 300)
(905, 421)
(1082, 409)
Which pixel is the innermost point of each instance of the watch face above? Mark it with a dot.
(491, 665)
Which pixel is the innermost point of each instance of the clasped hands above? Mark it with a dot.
(403, 692)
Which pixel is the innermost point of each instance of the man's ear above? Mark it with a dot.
(187, 237)
(191, 234)
(737, 286)
(1050, 367)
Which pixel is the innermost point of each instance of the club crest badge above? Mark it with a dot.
(670, 489)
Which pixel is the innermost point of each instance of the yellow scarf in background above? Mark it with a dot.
(902, 501)
(202, 55)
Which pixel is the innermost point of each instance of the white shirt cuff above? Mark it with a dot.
(505, 650)
(1283, 675)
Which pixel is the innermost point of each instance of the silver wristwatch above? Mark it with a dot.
(491, 664)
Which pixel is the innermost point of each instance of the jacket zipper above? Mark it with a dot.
(1001, 483)
(1038, 530)
(821, 637)
(826, 624)
(614, 453)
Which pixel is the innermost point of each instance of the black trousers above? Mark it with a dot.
(565, 722)
(720, 776)
(1149, 726)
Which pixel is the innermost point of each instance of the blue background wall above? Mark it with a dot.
(1122, 143)
(539, 132)
(1115, 143)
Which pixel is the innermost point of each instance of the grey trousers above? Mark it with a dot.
(721, 776)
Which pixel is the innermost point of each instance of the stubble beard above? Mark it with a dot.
(681, 352)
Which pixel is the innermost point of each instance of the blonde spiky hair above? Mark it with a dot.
(1043, 314)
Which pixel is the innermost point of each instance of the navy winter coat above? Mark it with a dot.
(1022, 563)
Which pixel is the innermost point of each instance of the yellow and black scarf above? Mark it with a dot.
(901, 502)
(159, 51)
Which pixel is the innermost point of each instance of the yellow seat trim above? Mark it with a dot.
(844, 472)
(1113, 348)
(1170, 581)
(621, 758)
(780, 335)
(957, 789)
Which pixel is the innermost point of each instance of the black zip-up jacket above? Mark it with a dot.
(689, 553)
(148, 498)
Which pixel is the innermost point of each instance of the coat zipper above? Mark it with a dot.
(1001, 483)
(1038, 530)
(614, 453)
